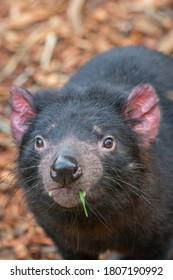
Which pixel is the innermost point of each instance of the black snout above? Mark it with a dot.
(65, 170)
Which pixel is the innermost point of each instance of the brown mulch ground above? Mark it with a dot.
(41, 43)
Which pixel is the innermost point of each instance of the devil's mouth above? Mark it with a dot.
(64, 189)
(65, 196)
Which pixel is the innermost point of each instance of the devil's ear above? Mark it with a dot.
(143, 113)
(22, 111)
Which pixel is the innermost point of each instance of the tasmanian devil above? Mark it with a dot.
(106, 135)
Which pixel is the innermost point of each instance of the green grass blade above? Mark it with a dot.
(82, 199)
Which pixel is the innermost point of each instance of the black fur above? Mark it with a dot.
(130, 209)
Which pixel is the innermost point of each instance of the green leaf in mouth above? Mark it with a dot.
(82, 199)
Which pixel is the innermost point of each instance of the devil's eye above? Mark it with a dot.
(39, 143)
(108, 143)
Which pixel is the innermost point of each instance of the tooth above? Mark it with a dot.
(50, 193)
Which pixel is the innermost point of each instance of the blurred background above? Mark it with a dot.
(42, 43)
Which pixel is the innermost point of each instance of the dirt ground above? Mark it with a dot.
(42, 42)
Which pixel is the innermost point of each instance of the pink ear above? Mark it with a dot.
(143, 112)
(21, 111)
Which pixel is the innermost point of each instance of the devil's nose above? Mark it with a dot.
(65, 170)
